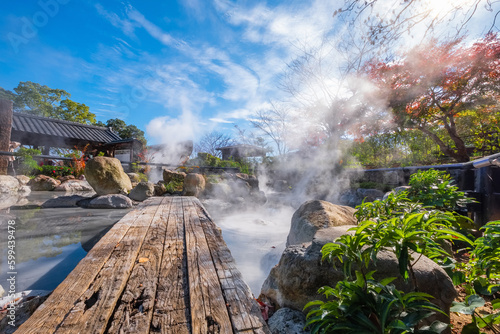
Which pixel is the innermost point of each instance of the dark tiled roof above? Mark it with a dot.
(44, 126)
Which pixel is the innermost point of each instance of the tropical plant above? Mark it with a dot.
(367, 306)
(397, 224)
(435, 189)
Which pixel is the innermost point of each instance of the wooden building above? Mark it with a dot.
(50, 133)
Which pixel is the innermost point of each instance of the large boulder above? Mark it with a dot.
(8, 184)
(63, 201)
(287, 321)
(72, 185)
(111, 201)
(194, 185)
(300, 273)
(134, 177)
(369, 195)
(170, 175)
(106, 176)
(23, 179)
(160, 188)
(142, 191)
(220, 190)
(252, 181)
(43, 183)
(314, 215)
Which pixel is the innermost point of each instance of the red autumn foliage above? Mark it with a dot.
(435, 83)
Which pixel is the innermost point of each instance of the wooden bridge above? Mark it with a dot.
(163, 268)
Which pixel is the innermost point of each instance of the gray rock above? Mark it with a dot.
(106, 176)
(220, 190)
(369, 195)
(8, 184)
(396, 190)
(252, 181)
(111, 201)
(314, 215)
(24, 190)
(239, 188)
(299, 274)
(134, 177)
(23, 179)
(258, 197)
(26, 303)
(281, 186)
(142, 191)
(350, 198)
(43, 183)
(72, 185)
(393, 178)
(160, 188)
(287, 321)
(63, 201)
(66, 178)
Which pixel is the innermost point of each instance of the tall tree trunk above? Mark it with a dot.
(5, 130)
(461, 149)
(444, 148)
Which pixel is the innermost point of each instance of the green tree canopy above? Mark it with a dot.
(125, 131)
(37, 99)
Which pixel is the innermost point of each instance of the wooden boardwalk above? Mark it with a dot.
(163, 268)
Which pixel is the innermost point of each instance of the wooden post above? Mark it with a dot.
(5, 131)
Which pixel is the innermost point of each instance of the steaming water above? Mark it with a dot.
(51, 242)
(256, 239)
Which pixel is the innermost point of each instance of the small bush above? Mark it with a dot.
(435, 188)
(28, 165)
(56, 171)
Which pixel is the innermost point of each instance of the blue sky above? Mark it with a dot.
(176, 69)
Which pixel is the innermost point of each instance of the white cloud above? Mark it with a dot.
(220, 120)
(124, 25)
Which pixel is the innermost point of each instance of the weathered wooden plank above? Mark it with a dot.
(208, 307)
(50, 314)
(91, 312)
(135, 309)
(244, 311)
(171, 311)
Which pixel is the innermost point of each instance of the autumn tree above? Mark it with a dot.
(436, 84)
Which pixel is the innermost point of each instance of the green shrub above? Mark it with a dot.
(174, 186)
(435, 189)
(368, 306)
(28, 165)
(401, 224)
(56, 171)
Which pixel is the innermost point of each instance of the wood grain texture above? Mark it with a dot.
(243, 309)
(208, 307)
(93, 309)
(163, 268)
(171, 311)
(135, 309)
(51, 313)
